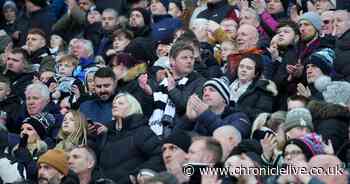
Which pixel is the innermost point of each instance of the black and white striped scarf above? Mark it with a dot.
(164, 110)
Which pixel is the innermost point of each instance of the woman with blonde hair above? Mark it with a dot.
(129, 143)
(73, 131)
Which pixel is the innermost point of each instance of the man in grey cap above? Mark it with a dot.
(298, 123)
(309, 19)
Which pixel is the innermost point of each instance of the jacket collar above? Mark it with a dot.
(157, 18)
(343, 42)
(131, 122)
(40, 53)
(264, 85)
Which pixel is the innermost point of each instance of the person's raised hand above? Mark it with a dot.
(303, 91)
(143, 83)
(328, 147)
(269, 143)
(191, 114)
(259, 6)
(171, 81)
(198, 105)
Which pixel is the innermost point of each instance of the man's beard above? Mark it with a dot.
(52, 180)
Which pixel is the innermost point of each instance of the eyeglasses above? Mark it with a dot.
(292, 153)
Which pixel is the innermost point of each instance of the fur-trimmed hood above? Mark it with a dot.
(268, 86)
(337, 92)
(134, 72)
(321, 110)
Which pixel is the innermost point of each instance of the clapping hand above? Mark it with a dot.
(195, 107)
(269, 143)
(143, 83)
(303, 91)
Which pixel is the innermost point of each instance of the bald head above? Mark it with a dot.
(247, 37)
(229, 137)
(329, 162)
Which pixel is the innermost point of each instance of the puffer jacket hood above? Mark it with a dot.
(324, 110)
(268, 86)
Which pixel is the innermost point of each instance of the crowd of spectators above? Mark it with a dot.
(135, 91)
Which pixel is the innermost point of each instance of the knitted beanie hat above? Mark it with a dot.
(323, 59)
(313, 18)
(220, 86)
(179, 138)
(57, 159)
(41, 123)
(145, 13)
(165, 3)
(9, 5)
(298, 117)
(310, 144)
(337, 92)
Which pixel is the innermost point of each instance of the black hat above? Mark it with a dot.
(178, 4)
(323, 60)
(179, 138)
(145, 13)
(41, 123)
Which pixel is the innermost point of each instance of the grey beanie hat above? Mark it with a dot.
(313, 18)
(298, 117)
(9, 5)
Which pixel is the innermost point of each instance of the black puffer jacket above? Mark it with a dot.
(11, 106)
(126, 151)
(342, 55)
(19, 82)
(258, 98)
(289, 57)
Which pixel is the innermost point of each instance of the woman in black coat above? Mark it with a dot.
(251, 94)
(129, 144)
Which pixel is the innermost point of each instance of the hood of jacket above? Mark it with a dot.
(134, 72)
(131, 122)
(323, 110)
(36, 56)
(267, 86)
